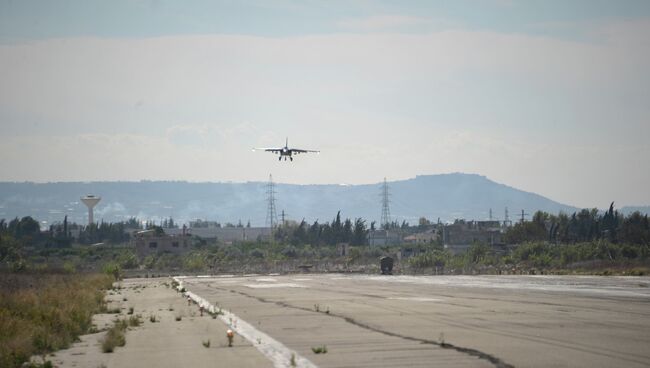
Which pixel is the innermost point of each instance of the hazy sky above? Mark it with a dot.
(551, 97)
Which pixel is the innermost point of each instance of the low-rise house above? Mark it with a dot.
(151, 241)
(430, 236)
(226, 234)
(461, 235)
(384, 237)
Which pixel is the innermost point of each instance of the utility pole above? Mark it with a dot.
(507, 222)
(385, 210)
(282, 216)
(490, 214)
(523, 215)
(271, 215)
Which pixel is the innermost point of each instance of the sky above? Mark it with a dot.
(551, 97)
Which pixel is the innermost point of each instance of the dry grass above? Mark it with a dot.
(319, 349)
(114, 337)
(134, 321)
(41, 313)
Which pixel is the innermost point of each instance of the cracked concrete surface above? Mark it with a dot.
(446, 321)
(387, 321)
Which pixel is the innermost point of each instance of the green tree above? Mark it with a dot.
(360, 234)
(299, 236)
(346, 235)
(337, 229)
(635, 229)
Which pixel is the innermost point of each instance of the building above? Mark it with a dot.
(226, 235)
(426, 237)
(384, 237)
(148, 242)
(198, 223)
(461, 235)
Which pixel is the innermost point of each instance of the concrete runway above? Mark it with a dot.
(456, 321)
(166, 343)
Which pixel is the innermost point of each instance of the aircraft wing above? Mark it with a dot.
(274, 150)
(298, 150)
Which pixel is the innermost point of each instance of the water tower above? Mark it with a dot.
(90, 201)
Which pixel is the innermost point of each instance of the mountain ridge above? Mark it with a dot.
(444, 196)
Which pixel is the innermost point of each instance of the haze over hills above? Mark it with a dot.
(444, 196)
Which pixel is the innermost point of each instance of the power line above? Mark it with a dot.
(385, 210)
(271, 215)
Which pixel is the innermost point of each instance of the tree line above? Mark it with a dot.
(583, 226)
(353, 232)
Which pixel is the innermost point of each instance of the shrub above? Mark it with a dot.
(319, 349)
(114, 337)
(112, 269)
(134, 321)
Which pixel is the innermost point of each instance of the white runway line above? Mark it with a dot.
(279, 285)
(266, 279)
(589, 285)
(274, 350)
(416, 299)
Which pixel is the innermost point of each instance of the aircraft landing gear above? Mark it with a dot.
(280, 158)
(291, 158)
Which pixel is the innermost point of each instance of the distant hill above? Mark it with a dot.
(645, 210)
(446, 196)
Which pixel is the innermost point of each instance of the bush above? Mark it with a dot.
(114, 337)
(134, 321)
(112, 269)
(319, 349)
(289, 252)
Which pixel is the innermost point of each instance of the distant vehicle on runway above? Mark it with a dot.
(386, 264)
(286, 151)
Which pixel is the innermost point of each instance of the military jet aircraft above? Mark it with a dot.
(286, 151)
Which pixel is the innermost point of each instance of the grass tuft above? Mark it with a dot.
(134, 321)
(114, 336)
(319, 349)
(206, 344)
